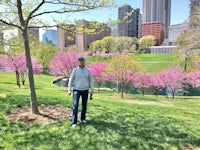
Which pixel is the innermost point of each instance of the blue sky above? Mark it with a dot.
(179, 11)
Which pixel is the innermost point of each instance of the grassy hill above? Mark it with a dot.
(135, 122)
(151, 62)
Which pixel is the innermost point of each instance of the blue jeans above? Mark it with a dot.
(76, 97)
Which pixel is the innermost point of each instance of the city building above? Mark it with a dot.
(34, 33)
(129, 21)
(66, 37)
(83, 40)
(157, 10)
(50, 36)
(194, 13)
(175, 31)
(162, 49)
(9, 34)
(154, 28)
(1, 42)
(114, 31)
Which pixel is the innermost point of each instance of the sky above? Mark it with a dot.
(179, 12)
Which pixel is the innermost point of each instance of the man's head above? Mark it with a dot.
(81, 60)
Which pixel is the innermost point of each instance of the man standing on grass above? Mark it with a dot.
(81, 80)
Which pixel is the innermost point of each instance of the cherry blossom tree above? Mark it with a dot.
(173, 78)
(17, 63)
(197, 64)
(98, 72)
(193, 77)
(142, 81)
(156, 82)
(63, 63)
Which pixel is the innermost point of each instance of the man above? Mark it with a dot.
(81, 80)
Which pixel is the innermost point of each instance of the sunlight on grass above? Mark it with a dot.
(3, 95)
(134, 122)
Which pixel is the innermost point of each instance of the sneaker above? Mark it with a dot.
(73, 125)
(83, 121)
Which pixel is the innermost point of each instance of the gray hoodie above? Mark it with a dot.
(80, 79)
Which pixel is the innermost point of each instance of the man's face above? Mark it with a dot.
(81, 63)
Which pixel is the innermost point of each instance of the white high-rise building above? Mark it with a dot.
(175, 31)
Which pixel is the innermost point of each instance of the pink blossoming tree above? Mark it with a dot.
(63, 63)
(142, 81)
(156, 82)
(173, 78)
(98, 72)
(17, 63)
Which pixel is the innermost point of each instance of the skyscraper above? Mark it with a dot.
(157, 10)
(194, 13)
(50, 36)
(129, 21)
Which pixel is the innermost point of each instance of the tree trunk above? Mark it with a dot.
(142, 91)
(17, 78)
(117, 87)
(33, 98)
(185, 65)
(99, 85)
(173, 93)
(126, 88)
(122, 93)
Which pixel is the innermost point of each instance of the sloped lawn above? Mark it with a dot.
(135, 122)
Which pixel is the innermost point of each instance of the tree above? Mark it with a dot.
(121, 68)
(108, 43)
(44, 53)
(173, 78)
(25, 15)
(156, 82)
(187, 45)
(124, 42)
(63, 63)
(17, 63)
(145, 42)
(96, 46)
(98, 72)
(142, 81)
(193, 77)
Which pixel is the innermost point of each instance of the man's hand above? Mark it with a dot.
(69, 93)
(91, 94)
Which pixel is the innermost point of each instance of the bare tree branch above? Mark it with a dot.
(10, 24)
(34, 10)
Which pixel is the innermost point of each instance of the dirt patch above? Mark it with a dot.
(49, 114)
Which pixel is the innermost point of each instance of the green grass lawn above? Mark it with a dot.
(157, 62)
(151, 62)
(134, 122)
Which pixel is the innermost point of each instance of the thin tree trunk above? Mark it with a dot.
(185, 65)
(17, 78)
(24, 25)
(143, 92)
(122, 93)
(117, 86)
(126, 88)
(33, 98)
(173, 94)
(99, 85)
